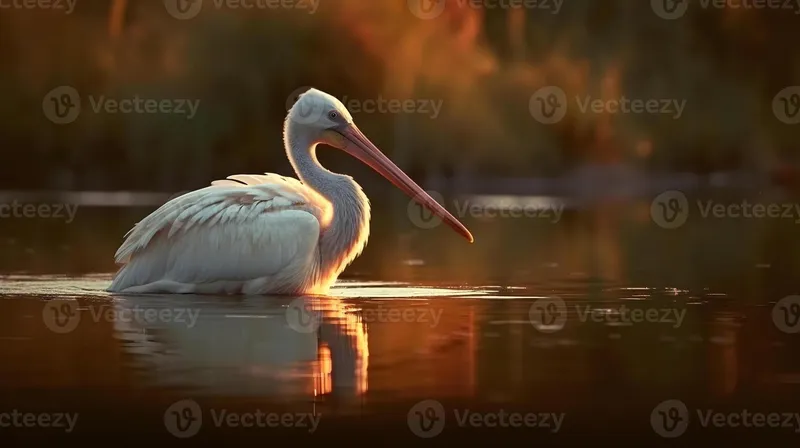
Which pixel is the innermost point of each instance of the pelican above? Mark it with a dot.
(267, 234)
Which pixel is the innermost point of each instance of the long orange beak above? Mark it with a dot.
(359, 146)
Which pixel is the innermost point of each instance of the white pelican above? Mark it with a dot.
(267, 234)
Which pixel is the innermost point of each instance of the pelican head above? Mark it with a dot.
(327, 121)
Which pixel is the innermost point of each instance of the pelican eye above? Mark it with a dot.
(333, 115)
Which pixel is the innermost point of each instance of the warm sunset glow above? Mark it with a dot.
(322, 376)
(245, 221)
(342, 332)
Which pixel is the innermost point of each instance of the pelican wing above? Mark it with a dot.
(243, 228)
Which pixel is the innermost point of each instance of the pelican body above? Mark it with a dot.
(267, 234)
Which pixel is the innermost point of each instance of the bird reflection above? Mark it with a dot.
(245, 345)
(343, 353)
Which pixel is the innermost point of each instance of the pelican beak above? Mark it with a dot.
(358, 145)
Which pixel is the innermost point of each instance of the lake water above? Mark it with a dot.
(599, 327)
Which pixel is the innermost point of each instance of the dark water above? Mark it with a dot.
(601, 327)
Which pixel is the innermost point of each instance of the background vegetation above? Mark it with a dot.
(728, 64)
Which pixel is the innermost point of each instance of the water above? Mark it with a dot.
(587, 326)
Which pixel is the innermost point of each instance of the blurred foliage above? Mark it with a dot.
(482, 64)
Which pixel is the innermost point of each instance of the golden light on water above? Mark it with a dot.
(322, 381)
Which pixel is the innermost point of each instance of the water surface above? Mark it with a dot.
(602, 319)
(363, 357)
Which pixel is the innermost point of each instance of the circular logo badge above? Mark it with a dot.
(427, 9)
(670, 419)
(61, 316)
(304, 109)
(786, 314)
(294, 96)
(426, 419)
(62, 105)
(669, 9)
(548, 105)
(786, 105)
(422, 217)
(302, 317)
(548, 315)
(670, 209)
(183, 418)
(183, 9)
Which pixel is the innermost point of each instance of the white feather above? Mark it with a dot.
(253, 233)
(262, 229)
